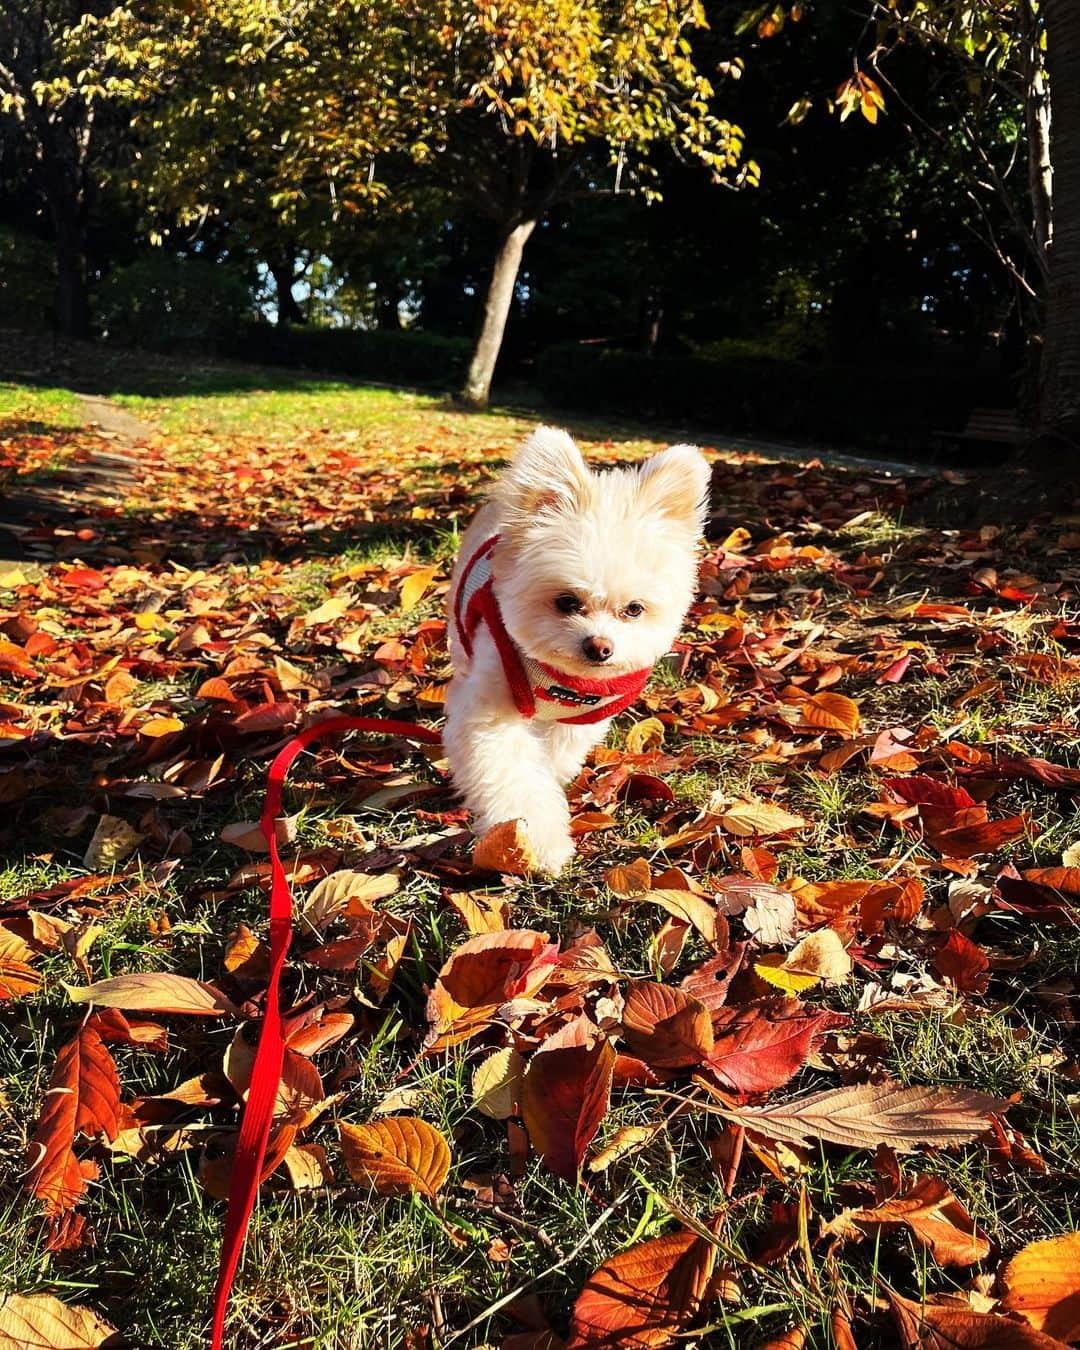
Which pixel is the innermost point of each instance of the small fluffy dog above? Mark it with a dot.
(569, 587)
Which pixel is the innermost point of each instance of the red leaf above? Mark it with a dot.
(921, 790)
(762, 1046)
(963, 962)
(565, 1094)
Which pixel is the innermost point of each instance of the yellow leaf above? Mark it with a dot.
(40, 1321)
(415, 585)
(496, 1084)
(646, 735)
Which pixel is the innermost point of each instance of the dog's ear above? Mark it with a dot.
(546, 473)
(675, 483)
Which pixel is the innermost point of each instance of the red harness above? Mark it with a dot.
(538, 690)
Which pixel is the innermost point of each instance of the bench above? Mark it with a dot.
(989, 426)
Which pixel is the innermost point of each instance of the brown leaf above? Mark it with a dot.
(1042, 1284)
(397, 1155)
(629, 879)
(936, 1218)
(154, 991)
(948, 1327)
(83, 1097)
(876, 1113)
(665, 1026)
(644, 1296)
(693, 909)
(565, 1094)
(709, 984)
(506, 848)
(41, 1322)
(751, 817)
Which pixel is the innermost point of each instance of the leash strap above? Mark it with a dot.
(270, 1052)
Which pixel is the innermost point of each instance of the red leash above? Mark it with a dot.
(270, 1052)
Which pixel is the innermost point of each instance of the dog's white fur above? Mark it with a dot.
(626, 534)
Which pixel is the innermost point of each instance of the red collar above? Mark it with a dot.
(538, 690)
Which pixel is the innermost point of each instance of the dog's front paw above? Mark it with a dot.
(553, 848)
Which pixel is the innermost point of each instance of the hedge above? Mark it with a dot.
(895, 406)
(396, 357)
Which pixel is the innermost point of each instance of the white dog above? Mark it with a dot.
(569, 586)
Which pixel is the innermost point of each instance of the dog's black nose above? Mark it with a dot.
(597, 648)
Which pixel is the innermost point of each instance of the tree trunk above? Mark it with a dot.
(72, 304)
(497, 304)
(288, 311)
(1059, 411)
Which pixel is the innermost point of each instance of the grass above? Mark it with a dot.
(337, 1266)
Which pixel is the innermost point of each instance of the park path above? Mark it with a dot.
(73, 497)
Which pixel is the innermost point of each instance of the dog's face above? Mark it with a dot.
(595, 571)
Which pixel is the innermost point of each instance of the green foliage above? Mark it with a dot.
(769, 397)
(163, 302)
(399, 357)
(27, 280)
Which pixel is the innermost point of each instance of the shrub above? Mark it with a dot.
(396, 357)
(896, 407)
(27, 281)
(169, 303)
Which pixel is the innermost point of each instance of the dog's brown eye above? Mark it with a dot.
(568, 604)
(634, 610)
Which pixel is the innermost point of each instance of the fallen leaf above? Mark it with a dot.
(645, 1296)
(496, 1083)
(750, 817)
(876, 1113)
(935, 1217)
(665, 1026)
(565, 1093)
(693, 909)
(948, 1327)
(506, 848)
(83, 1097)
(113, 840)
(41, 1322)
(397, 1155)
(759, 1047)
(1042, 1285)
(415, 586)
(154, 991)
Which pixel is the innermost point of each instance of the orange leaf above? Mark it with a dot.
(565, 1094)
(936, 1218)
(506, 848)
(628, 879)
(161, 726)
(83, 1097)
(644, 1296)
(826, 712)
(397, 1155)
(948, 1327)
(483, 973)
(1042, 1284)
(665, 1026)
